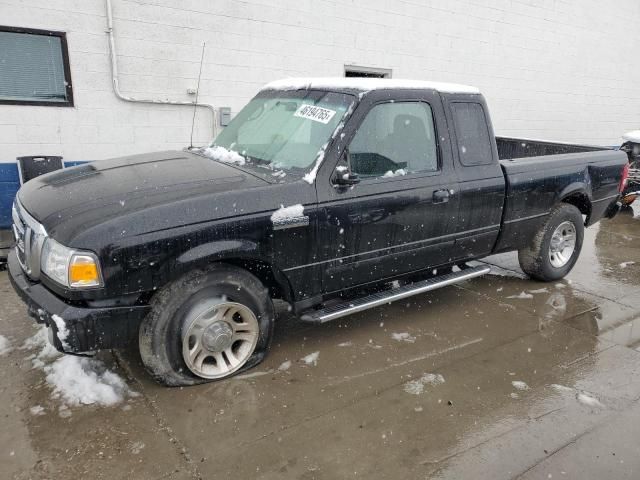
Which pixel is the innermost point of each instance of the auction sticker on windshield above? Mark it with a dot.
(317, 114)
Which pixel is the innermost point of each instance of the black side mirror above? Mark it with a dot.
(344, 175)
(346, 178)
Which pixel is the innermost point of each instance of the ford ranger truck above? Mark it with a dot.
(334, 195)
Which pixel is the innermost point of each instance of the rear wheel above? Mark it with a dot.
(209, 325)
(556, 246)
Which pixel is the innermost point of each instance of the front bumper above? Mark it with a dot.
(89, 329)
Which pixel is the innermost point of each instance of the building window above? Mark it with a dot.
(34, 68)
(366, 72)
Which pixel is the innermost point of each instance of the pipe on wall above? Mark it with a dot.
(116, 84)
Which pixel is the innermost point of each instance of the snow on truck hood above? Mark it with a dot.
(366, 84)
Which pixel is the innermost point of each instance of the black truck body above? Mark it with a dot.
(151, 219)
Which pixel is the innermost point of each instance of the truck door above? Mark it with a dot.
(482, 185)
(402, 215)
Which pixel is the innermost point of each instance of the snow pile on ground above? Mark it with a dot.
(75, 380)
(5, 346)
(521, 295)
(416, 387)
(85, 381)
(626, 264)
(519, 385)
(46, 353)
(284, 214)
(223, 155)
(403, 337)
(311, 359)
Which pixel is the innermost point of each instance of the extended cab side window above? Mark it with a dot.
(395, 139)
(474, 142)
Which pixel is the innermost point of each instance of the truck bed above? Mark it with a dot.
(540, 174)
(511, 148)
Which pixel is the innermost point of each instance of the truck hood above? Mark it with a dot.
(78, 198)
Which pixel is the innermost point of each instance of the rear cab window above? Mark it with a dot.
(472, 133)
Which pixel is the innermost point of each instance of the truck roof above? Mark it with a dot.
(366, 84)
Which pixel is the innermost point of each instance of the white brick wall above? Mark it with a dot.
(558, 69)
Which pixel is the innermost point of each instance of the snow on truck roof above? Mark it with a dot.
(366, 84)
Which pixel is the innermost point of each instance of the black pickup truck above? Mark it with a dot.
(334, 195)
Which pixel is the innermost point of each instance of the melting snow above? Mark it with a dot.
(285, 366)
(223, 155)
(63, 331)
(345, 344)
(76, 380)
(5, 346)
(518, 385)
(37, 410)
(540, 290)
(311, 359)
(85, 381)
(522, 295)
(403, 337)
(626, 264)
(588, 400)
(416, 387)
(287, 213)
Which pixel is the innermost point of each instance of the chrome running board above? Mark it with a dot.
(387, 296)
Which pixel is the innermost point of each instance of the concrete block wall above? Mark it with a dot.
(558, 69)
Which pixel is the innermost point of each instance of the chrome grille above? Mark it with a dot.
(30, 237)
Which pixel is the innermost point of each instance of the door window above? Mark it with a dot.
(395, 139)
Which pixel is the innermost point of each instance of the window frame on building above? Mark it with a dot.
(65, 64)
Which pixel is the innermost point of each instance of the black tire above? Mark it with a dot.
(534, 259)
(160, 337)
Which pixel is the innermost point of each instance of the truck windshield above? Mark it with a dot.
(281, 130)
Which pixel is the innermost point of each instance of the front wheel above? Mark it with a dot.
(207, 326)
(556, 245)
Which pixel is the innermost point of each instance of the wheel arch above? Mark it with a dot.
(243, 254)
(577, 196)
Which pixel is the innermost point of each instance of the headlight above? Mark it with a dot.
(68, 267)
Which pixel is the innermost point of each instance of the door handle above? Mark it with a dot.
(441, 196)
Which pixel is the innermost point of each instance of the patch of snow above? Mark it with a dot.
(345, 344)
(561, 388)
(366, 84)
(626, 264)
(519, 385)
(588, 400)
(5, 345)
(416, 387)
(85, 381)
(403, 337)
(311, 176)
(311, 359)
(284, 366)
(136, 447)
(514, 395)
(539, 290)
(37, 410)
(47, 351)
(522, 295)
(223, 155)
(398, 173)
(284, 214)
(63, 331)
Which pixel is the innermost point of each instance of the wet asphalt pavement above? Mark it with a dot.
(499, 377)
